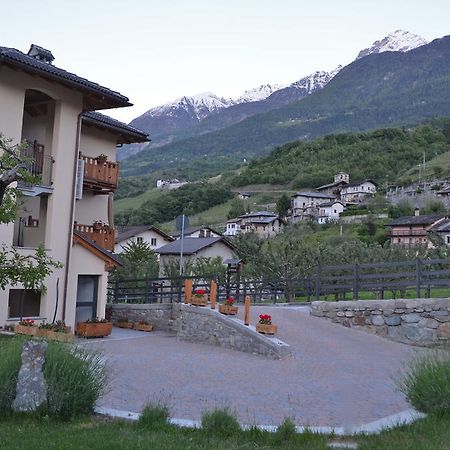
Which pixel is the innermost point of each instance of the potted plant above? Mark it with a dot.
(199, 297)
(102, 158)
(94, 328)
(26, 326)
(142, 325)
(55, 331)
(228, 308)
(97, 225)
(122, 322)
(265, 326)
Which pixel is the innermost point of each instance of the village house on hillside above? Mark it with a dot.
(69, 212)
(330, 200)
(169, 184)
(150, 235)
(416, 230)
(265, 224)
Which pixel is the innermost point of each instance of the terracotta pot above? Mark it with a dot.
(198, 300)
(228, 310)
(143, 327)
(94, 329)
(29, 331)
(266, 329)
(128, 325)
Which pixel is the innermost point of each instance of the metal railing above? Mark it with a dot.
(38, 163)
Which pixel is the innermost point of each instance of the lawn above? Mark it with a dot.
(25, 433)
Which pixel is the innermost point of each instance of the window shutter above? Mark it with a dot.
(80, 177)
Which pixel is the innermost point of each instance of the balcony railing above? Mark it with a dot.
(37, 163)
(400, 233)
(102, 235)
(100, 175)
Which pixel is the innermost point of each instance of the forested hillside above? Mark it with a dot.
(382, 155)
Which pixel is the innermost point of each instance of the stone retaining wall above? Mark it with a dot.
(202, 325)
(423, 322)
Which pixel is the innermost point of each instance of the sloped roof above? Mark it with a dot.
(329, 185)
(326, 204)
(191, 245)
(110, 258)
(125, 233)
(191, 230)
(107, 97)
(313, 195)
(258, 214)
(127, 133)
(442, 226)
(416, 220)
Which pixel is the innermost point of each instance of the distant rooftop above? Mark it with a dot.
(416, 220)
(259, 214)
(125, 233)
(191, 245)
(313, 195)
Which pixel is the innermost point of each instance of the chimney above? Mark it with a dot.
(41, 54)
(417, 212)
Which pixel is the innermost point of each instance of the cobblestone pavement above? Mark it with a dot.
(335, 377)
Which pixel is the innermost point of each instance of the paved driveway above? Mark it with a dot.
(335, 377)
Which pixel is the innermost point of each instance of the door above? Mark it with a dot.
(87, 293)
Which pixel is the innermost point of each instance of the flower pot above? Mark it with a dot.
(143, 327)
(23, 329)
(88, 330)
(102, 159)
(228, 310)
(199, 300)
(56, 335)
(264, 328)
(128, 325)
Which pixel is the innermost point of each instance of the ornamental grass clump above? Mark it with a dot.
(220, 422)
(154, 416)
(426, 383)
(287, 431)
(10, 362)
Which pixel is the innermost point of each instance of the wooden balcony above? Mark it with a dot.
(101, 177)
(102, 235)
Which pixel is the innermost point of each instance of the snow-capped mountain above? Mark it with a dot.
(199, 105)
(258, 93)
(398, 41)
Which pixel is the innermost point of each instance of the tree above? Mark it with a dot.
(433, 206)
(403, 208)
(15, 268)
(283, 205)
(139, 261)
(237, 209)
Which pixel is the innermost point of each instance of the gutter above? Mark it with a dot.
(72, 216)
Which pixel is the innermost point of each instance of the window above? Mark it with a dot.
(447, 239)
(24, 303)
(140, 240)
(153, 241)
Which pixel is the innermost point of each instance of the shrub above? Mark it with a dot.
(286, 431)
(220, 422)
(10, 361)
(154, 416)
(426, 383)
(75, 378)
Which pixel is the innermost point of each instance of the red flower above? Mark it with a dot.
(265, 319)
(200, 292)
(230, 301)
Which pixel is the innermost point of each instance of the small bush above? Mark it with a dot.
(286, 431)
(426, 383)
(10, 361)
(220, 422)
(75, 378)
(154, 416)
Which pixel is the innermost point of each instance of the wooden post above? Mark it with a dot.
(355, 282)
(247, 310)
(213, 294)
(187, 291)
(418, 277)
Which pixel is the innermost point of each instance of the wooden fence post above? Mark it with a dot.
(247, 310)
(355, 282)
(318, 282)
(213, 294)
(418, 277)
(187, 290)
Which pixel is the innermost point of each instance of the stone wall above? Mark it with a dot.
(202, 325)
(423, 322)
(159, 315)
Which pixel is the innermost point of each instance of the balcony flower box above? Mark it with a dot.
(199, 298)
(26, 327)
(91, 329)
(59, 336)
(143, 326)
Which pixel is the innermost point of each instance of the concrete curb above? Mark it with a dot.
(402, 418)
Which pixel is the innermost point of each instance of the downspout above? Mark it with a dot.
(72, 216)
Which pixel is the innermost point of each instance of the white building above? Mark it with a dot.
(152, 236)
(358, 192)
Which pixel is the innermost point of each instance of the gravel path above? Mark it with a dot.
(335, 377)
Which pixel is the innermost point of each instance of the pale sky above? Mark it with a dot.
(154, 51)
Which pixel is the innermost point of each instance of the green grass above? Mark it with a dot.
(432, 433)
(135, 202)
